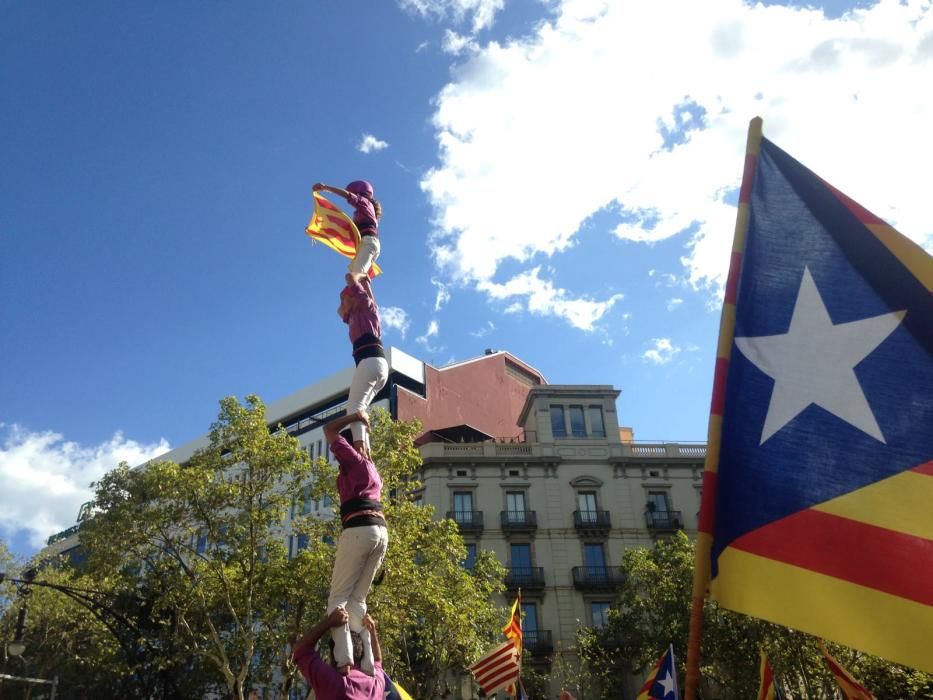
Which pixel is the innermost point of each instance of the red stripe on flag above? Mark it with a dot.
(732, 281)
(490, 684)
(748, 178)
(718, 401)
(885, 560)
(766, 682)
(924, 469)
(504, 651)
(708, 505)
(861, 213)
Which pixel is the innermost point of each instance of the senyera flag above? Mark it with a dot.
(819, 479)
(767, 687)
(336, 230)
(498, 669)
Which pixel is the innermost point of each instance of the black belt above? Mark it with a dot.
(367, 345)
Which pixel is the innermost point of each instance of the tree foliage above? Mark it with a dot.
(198, 551)
(653, 610)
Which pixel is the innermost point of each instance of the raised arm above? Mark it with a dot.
(318, 186)
(333, 428)
(337, 618)
(374, 638)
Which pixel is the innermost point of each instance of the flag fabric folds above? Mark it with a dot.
(817, 511)
(661, 681)
(513, 628)
(851, 688)
(498, 669)
(336, 230)
(767, 687)
(393, 690)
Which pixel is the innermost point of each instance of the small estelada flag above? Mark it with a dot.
(498, 669)
(335, 229)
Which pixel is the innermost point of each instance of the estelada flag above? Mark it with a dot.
(498, 669)
(767, 689)
(818, 506)
(661, 681)
(851, 688)
(336, 230)
(393, 690)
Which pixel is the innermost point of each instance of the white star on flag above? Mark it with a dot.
(814, 362)
(668, 684)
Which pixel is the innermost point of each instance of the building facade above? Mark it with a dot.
(542, 475)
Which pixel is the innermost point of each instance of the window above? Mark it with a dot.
(530, 617)
(594, 558)
(558, 427)
(599, 613)
(597, 426)
(463, 506)
(658, 503)
(201, 544)
(577, 424)
(470, 560)
(521, 559)
(461, 472)
(515, 506)
(319, 450)
(307, 504)
(326, 501)
(302, 542)
(587, 502)
(419, 500)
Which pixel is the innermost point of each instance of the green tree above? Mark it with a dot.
(653, 610)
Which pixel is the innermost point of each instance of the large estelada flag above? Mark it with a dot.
(336, 230)
(820, 504)
(498, 669)
(661, 681)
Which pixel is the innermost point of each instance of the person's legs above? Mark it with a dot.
(368, 379)
(366, 255)
(353, 552)
(356, 605)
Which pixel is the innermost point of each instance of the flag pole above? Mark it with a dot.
(701, 571)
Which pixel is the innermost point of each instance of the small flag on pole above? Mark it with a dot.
(513, 628)
(851, 688)
(394, 691)
(661, 682)
(335, 229)
(498, 669)
(767, 688)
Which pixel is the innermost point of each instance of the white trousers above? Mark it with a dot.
(368, 379)
(360, 552)
(366, 255)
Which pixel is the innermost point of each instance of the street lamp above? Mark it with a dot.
(18, 646)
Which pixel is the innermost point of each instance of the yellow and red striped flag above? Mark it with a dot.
(513, 628)
(498, 669)
(767, 690)
(851, 688)
(335, 229)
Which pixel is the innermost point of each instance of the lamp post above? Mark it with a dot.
(17, 646)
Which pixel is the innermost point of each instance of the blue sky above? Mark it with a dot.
(558, 180)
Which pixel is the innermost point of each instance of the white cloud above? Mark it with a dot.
(572, 109)
(544, 299)
(674, 303)
(425, 340)
(514, 308)
(443, 294)
(395, 317)
(456, 44)
(483, 331)
(483, 12)
(369, 143)
(662, 352)
(46, 478)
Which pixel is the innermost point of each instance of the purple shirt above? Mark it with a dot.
(357, 477)
(363, 314)
(328, 684)
(364, 213)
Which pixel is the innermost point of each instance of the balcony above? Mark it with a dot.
(591, 520)
(528, 577)
(663, 520)
(467, 520)
(538, 642)
(596, 578)
(518, 520)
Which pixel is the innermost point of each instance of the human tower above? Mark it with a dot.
(355, 671)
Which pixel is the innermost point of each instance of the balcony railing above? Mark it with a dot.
(538, 642)
(596, 578)
(664, 520)
(518, 520)
(642, 453)
(527, 577)
(591, 520)
(468, 520)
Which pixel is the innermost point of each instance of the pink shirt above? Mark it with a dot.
(363, 314)
(364, 213)
(328, 684)
(357, 477)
